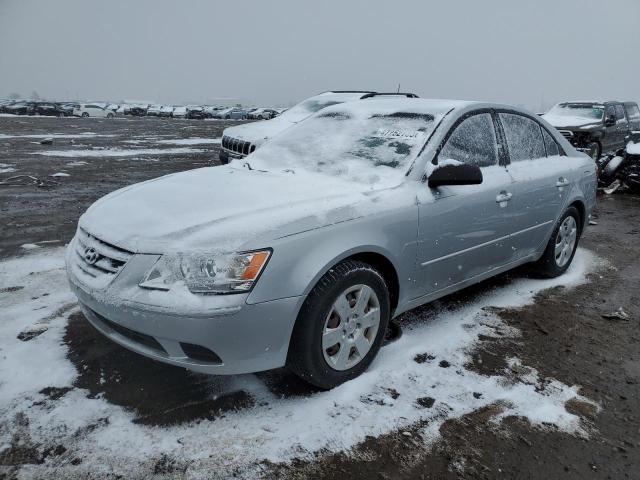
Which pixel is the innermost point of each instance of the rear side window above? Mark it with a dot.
(472, 142)
(620, 117)
(550, 144)
(524, 137)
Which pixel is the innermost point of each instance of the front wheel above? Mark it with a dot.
(562, 245)
(85, 114)
(341, 325)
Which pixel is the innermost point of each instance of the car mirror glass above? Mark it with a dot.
(455, 174)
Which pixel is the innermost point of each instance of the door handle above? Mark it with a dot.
(562, 182)
(503, 197)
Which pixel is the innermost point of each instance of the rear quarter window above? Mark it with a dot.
(550, 144)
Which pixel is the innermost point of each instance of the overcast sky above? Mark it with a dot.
(277, 52)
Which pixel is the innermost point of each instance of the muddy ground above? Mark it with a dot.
(564, 334)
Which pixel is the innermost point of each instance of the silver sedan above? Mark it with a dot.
(301, 253)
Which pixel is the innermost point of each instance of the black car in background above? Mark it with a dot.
(596, 128)
(19, 108)
(66, 109)
(196, 113)
(49, 109)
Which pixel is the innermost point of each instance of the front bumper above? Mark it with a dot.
(222, 334)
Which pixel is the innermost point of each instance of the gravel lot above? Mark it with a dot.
(102, 411)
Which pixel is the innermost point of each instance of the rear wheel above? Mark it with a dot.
(341, 325)
(85, 114)
(109, 115)
(562, 245)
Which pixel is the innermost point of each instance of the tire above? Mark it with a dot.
(109, 115)
(311, 355)
(552, 265)
(85, 114)
(594, 150)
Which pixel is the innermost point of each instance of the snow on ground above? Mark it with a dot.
(382, 400)
(57, 135)
(117, 152)
(191, 141)
(6, 168)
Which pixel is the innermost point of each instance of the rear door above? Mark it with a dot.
(633, 115)
(463, 230)
(541, 175)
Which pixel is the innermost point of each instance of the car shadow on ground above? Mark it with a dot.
(162, 395)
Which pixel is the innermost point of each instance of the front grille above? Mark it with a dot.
(97, 258)
(141, 338)
(567, 134)
(237, 146)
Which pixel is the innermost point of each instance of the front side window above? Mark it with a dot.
(610, 112)
(524, 137)
(473, 142)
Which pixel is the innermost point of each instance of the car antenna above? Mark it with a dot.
(398, 91)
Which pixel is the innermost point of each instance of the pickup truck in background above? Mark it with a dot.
(596, 128)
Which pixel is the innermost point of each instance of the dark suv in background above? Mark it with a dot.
(596, 128)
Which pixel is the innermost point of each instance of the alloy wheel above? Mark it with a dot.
(566, 241)
(351, 327)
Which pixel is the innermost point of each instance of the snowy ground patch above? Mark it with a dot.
(56, 135)
(6, 168)
(420, 377)
(117, 152)
(178, 141)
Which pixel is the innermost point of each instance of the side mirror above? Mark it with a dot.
(610, 121)
(455, 174)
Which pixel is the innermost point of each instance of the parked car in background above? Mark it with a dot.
(339, 224)
(166, 111)
(233, 113)
(179, 112)
(67, 108)
(154, 110)
(137, 110)
(240, 141)
(92, 110)
(596, 128)
(194, 112)
(48, 109)
(211, 111)
(262, 113)
(20, 107)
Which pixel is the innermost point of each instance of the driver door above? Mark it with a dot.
(463, 230)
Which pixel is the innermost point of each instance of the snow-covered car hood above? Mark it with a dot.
(222, 208)
(258, 132)
(563, 121)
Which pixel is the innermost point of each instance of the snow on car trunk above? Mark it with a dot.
(420, 378)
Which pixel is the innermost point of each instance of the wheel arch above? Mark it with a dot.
(582, 210)
(386, 268)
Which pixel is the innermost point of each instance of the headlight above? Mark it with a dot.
(207, 273)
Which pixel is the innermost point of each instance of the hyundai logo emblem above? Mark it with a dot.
(91, 256)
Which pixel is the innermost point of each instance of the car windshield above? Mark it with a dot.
(317, 103)
(582, 110)
(358, 144)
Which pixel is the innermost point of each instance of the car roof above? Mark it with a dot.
(396, 104)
